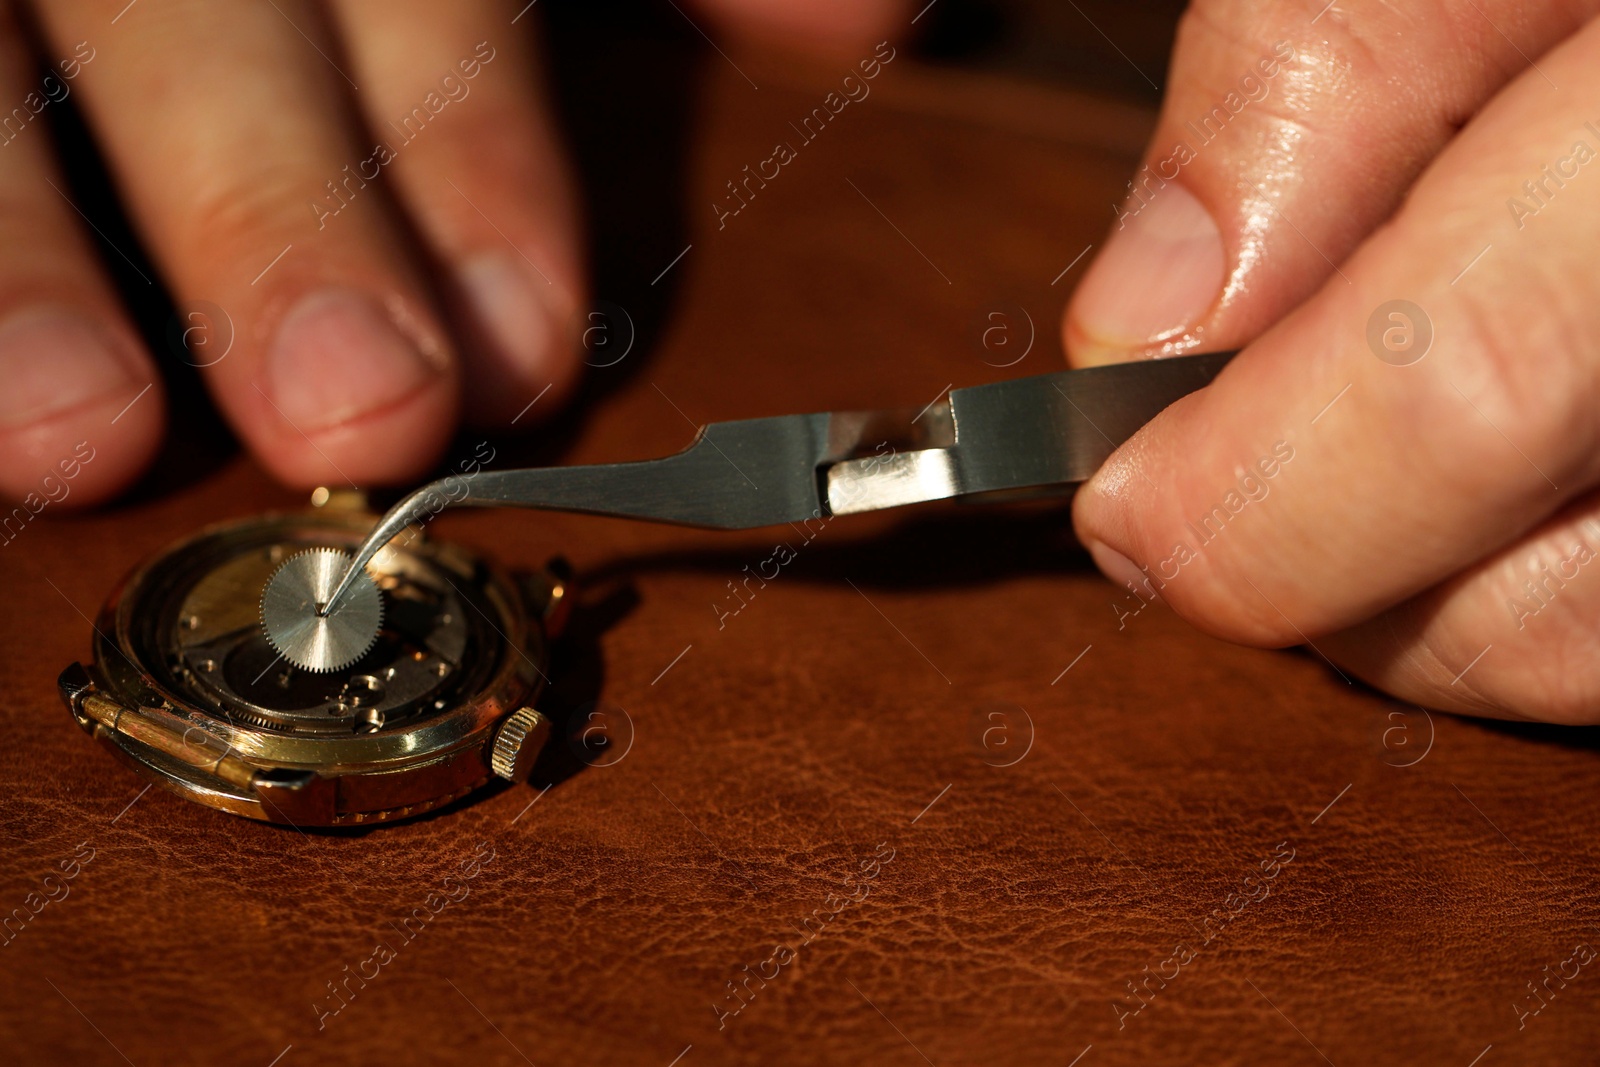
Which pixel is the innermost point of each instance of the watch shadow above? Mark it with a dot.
(584, 731)
(578, 740)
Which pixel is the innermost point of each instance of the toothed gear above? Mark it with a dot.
(306, 639)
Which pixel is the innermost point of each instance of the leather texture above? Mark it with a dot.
(920, 799)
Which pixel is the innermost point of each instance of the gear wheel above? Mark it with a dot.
(290, 619)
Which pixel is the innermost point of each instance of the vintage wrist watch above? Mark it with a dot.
(323, 670)
(185, 687)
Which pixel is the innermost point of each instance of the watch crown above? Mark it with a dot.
(517, 744)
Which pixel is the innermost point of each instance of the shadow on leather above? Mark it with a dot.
(949, 546)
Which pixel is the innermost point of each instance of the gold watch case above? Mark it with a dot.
(184, 687)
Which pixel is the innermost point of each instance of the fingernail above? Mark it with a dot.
(338, 356)
(1119, 568)
(1156, 277)
(520, 321)
(54, 360)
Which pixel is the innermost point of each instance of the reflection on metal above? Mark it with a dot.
(185, 687)
(1026, 433)
(309, 638)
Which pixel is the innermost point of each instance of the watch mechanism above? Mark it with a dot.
(186, 686)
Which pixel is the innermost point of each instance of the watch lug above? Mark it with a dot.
(351, 500)
(296, 796)
(75, 684)
(550, 595)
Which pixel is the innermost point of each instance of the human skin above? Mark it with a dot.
(1434, 531)
(354, 357)
(1376, 162)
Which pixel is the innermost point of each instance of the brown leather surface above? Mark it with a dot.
(890, 719)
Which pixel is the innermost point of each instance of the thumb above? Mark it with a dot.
(1288, 133)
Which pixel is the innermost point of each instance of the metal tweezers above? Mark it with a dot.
(1031, 433)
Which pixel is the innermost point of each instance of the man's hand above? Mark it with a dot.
(372, 189)
(1398, 208)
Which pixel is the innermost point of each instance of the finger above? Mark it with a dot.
(1512, 636)
(831, 27)
(223, 124)
(1324, 477)
(81, 407)
(1289, 131)
(451, 93)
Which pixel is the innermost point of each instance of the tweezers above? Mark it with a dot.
(1033, 433)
